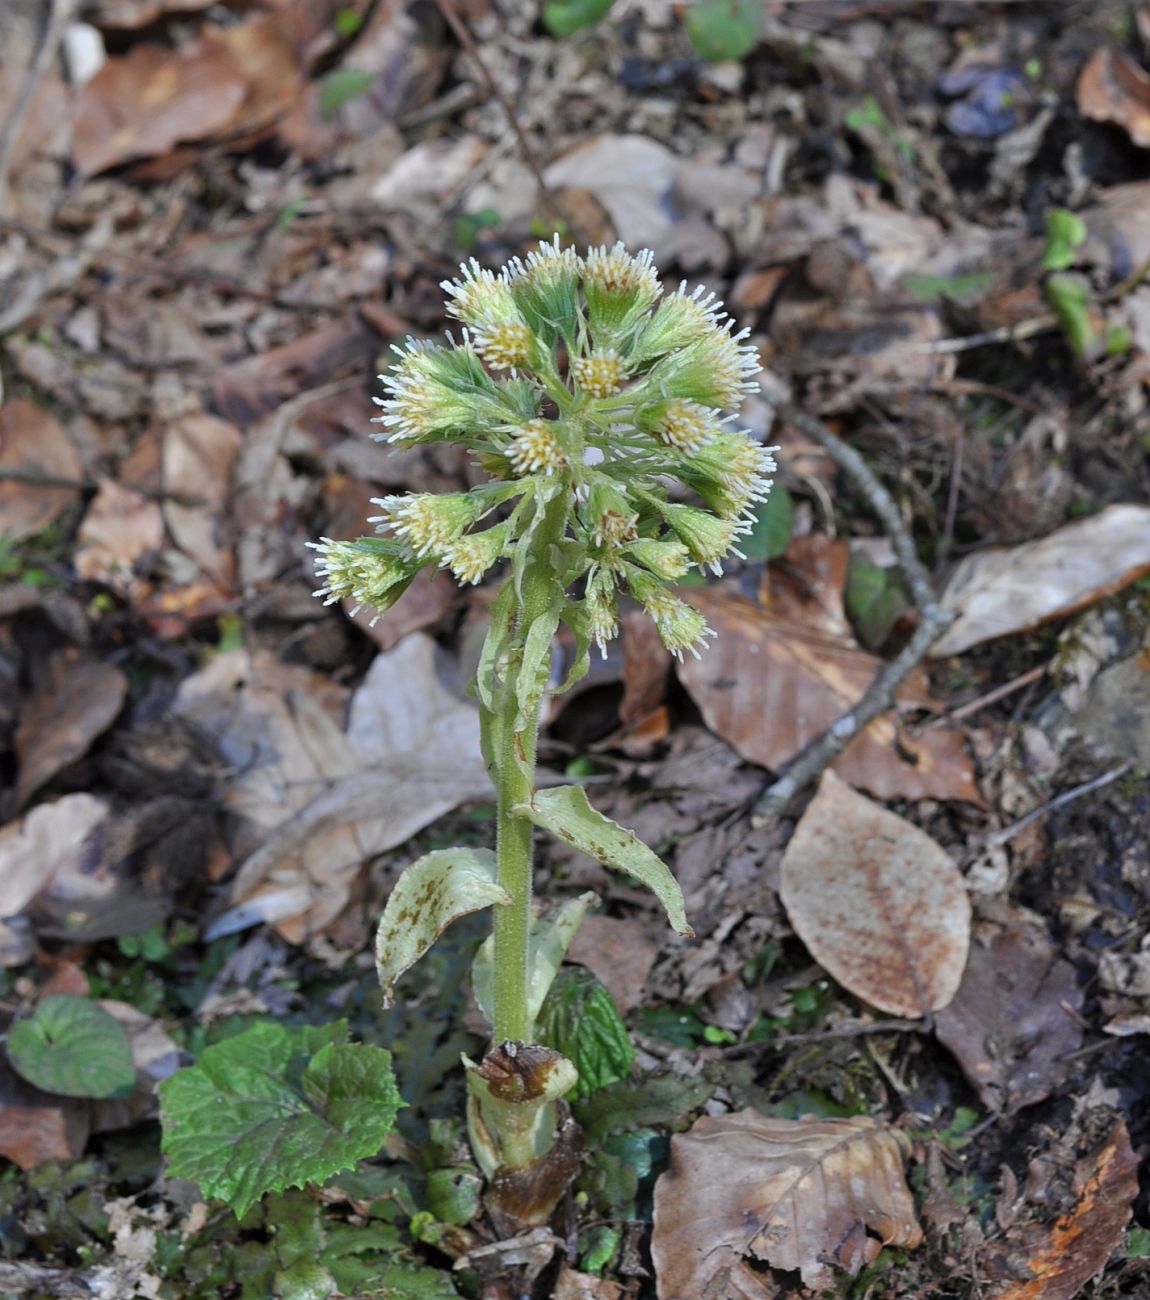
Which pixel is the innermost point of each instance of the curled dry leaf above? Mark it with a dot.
(35, 848)
(32, 442)
(198, 454)
(119, 530)
(76, 700)
(879, 904)
(1000, 592)
(1062, 1258)
(1113, 88)
(1014, 1021)
(781, 672)
(798, 1194)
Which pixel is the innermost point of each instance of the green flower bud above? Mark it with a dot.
(708, 539)
(608, 514)
(602, 374)
(372, 571)
(536, 449)
(479, 297)
(546, 290)
(680, 626)
(437, 392)
(681, 425)
(731, 473)
(717, 370)
(472, 555)
(602, 608)
(680, 320)
(619, 289)
(428, 523)
(669, 560)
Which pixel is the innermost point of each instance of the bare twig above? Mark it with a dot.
(852, 1029)
(1026, 329)
(933, 620)
(1059, 801)
(990, 697)
(58, 12)
(463, 35)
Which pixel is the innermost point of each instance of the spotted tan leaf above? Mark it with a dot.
(807, 1195)
(879, 904)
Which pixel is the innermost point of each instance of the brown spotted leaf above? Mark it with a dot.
(879, 904)
(807, 1195)
(1063, 1257)
(435, 890)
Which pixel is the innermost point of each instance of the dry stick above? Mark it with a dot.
(1059, 801)
(933, 620)
(459, 27)
(58, 12)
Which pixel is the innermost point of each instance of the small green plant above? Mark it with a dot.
(583, 393)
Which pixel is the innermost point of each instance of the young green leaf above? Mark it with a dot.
(547, 945)
(564, 17)
(1069, 295)
(657, 1099)
(276, 1107)
(1065, 234)
(580, 1019)
(72, 1046)
(874, 599)
(771, 531)
(725, 29)
(566, 813)
(434, 891)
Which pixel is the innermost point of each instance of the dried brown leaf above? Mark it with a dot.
(780, 673)
(877, 902)
(33, 849)
(150, 100)
(313, 803)
(1061, 1259)
(1013, 1022)
(32, 442)
(799, 1194)
(198, 455)
(1113, 88)
(36, 1126)
(75, 700)
(997, 593)
(121, 528)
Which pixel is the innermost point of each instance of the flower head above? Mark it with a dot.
(587, 395)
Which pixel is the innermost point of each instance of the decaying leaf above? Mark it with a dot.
(33, 443)
(799, 1194)
(121, 528)
(313, 802)
(1062, 1258)
(33, 849)
(36, 1126)
(198, 454)
(779, 673)
(1015, 1018)
(877, 902)
(999, 592)
(1113, 88)
(75, 700)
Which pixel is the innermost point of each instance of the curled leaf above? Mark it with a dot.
(435, 890)
(799, 1194)
(567, 814)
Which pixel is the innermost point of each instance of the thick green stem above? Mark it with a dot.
(518, 732)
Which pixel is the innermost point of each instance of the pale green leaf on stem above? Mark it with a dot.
(547, 945)
(567, 814)
(276, 1107)
(435, 890)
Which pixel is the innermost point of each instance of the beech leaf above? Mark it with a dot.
(567, 814)
(276, 1107)
(798, 1194)
(879, 904)
(435, 890)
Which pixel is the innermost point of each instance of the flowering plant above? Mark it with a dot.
(589, 398)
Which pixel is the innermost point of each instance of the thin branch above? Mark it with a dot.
(58, 13)
(463, 35)
(1059, 801)
(933, 620)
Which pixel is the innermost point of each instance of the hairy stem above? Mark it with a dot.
(518, 733)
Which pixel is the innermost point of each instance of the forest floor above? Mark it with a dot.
(215, 220)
